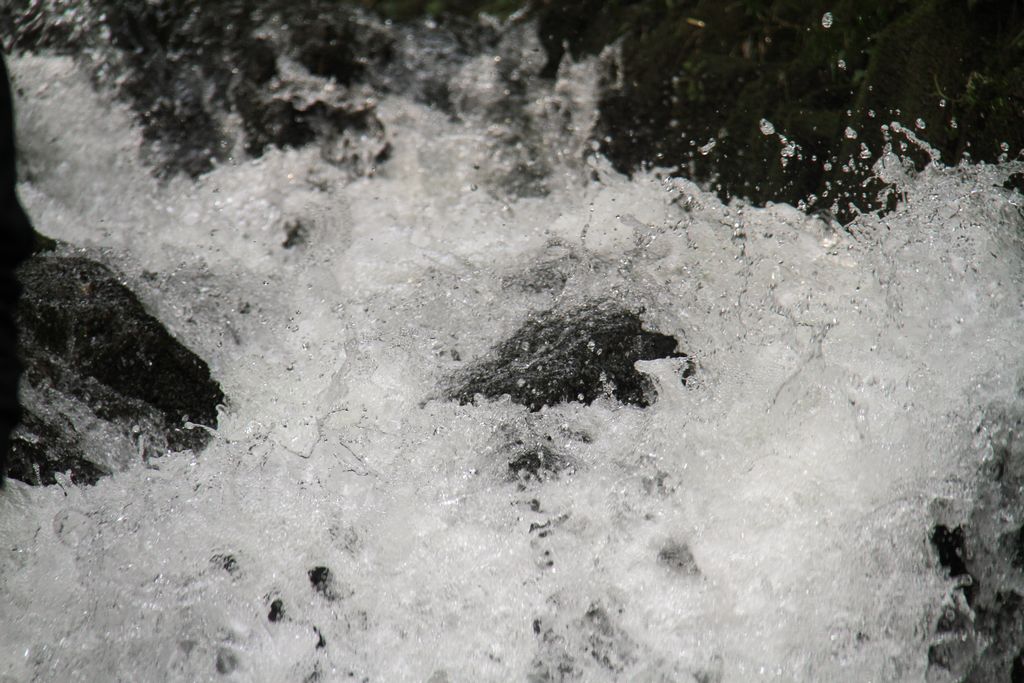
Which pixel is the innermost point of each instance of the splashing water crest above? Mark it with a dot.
(766, 520)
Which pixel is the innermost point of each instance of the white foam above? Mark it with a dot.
(839, 378)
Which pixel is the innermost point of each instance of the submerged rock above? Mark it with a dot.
(980, 635)
(104, 381)
(678, 558)
(42, 447)
(276, 612)
(571, 649)
(322, 580)
(537, 462)
(561, 356)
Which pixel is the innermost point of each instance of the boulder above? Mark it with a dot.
(105, 383)
(562, 356)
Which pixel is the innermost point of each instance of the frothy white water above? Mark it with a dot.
(841, 377)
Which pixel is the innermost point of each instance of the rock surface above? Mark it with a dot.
(980, 635)
(794, 95)
(777, 86)
(187, 67)
(105, 383)
(561, 356)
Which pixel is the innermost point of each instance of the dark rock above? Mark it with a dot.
(1015, 181)
(227, 661)
(91, 350)
(547, 276)
(323, 582)
(696, 71)
(185, 66)
(562, 356)
(328, 50)
(950, 545)
(294, 234)
(41, 448)
(536, 462)
(75, 312)
(321, 642)
(677, 557)
(953, 620)
(609, 645)
(980, 636)
(276, 610)
(595, 636)
(1015, 543)
(226, 562)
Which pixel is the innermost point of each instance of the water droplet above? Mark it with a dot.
(850, 133)
(706, 149)
(921, 125)
(767, 127)
(826, 20)
(841, 64)
(1005, 146)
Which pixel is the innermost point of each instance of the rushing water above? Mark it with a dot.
(768, 519)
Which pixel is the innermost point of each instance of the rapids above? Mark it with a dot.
(767, 520)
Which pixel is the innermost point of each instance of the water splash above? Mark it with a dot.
(767, 520)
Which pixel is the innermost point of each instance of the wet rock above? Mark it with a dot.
(101, 374)
(980, 635)
(950, 545)
(439, 676)
(536, 463)
(329, 50)
(276, 610)
(42, 448)
(187, 66)
(562, 356)
(566, 650)
(323, 582)
(678, 558)
(294, 234)
(226, 562)
(699, 71)
(547, 276)
(609, 645)
(226, 662)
